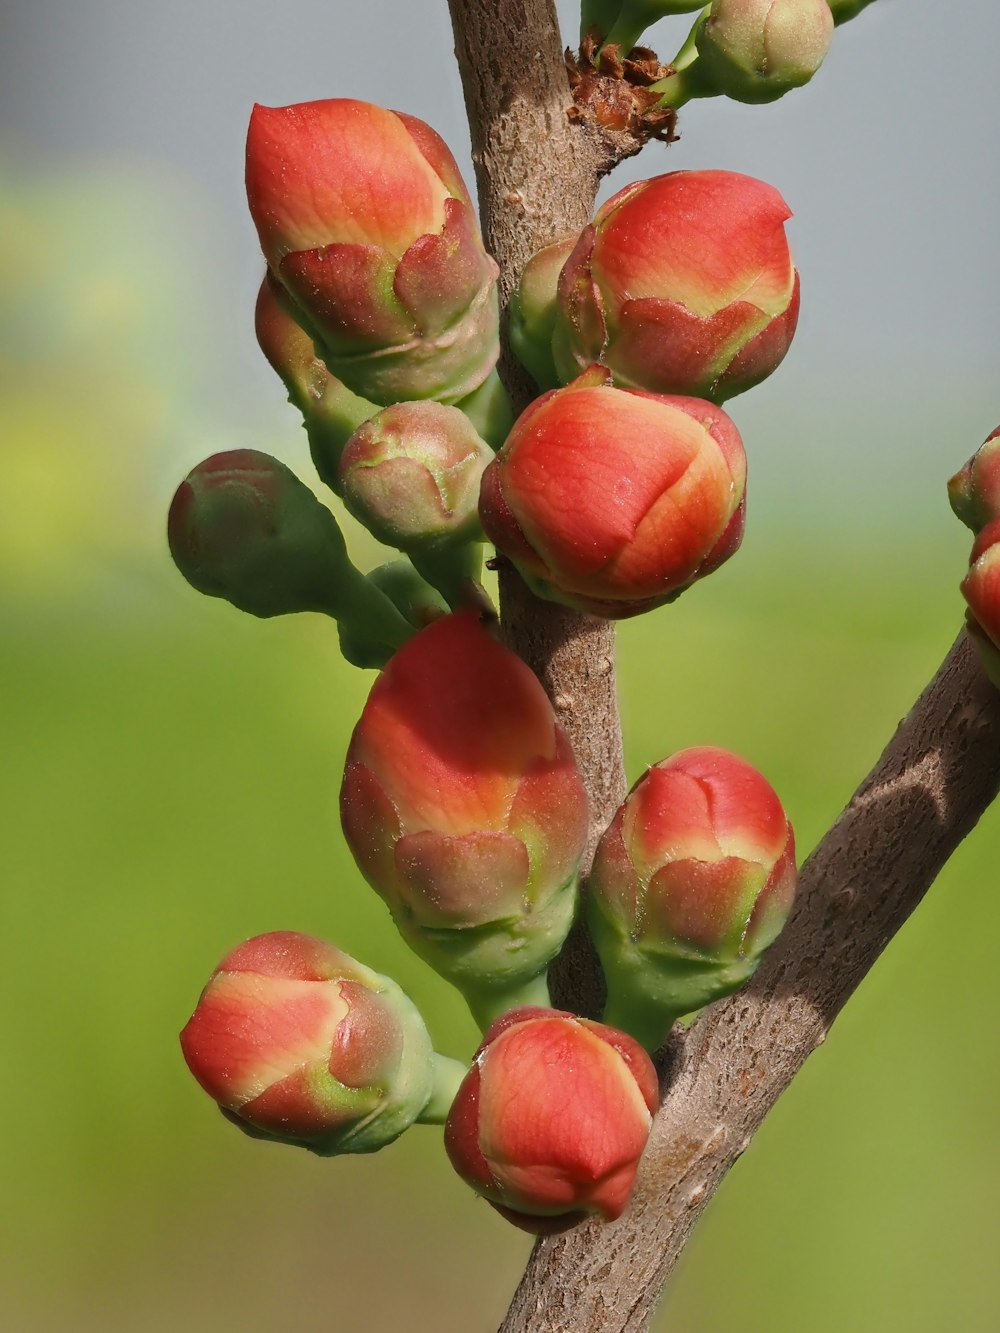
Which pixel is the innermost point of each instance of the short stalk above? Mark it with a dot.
(489, 1004)
(447, 1075)
(488, 409)
(456, 572)
(687, 80)
(650, 1027)
(355, 602)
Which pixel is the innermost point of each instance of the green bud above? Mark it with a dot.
(243, 527)
(757, 50)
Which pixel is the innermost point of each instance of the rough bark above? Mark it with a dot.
(537, 176)
(537, 173)
(935, 778)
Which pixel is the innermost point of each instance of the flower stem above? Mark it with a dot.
(489, 1004)
(489, 410)
(448, 1075)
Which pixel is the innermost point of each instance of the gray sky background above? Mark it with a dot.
(887, 159)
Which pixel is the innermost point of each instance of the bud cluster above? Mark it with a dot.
(616, 489)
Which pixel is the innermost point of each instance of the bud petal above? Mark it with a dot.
(551, 1120)
(364, 220)
(757, 50)
(300, 1044)
(974, 491)
(691, 882)
(615, 501)
(464, 810)
(684, 284)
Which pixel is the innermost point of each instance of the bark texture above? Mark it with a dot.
(537, 173)
(537, 176)
(935, 778)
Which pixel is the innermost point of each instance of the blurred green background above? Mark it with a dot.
(171, 768)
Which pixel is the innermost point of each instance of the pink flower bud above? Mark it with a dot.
(614, 501)
(756, 50)
(365, 221)
(981, 589)
(464, 809)
(552, 1118)
(691, 882)
(411, 475)
(300, 1044)
(974, 491)
(682, 284)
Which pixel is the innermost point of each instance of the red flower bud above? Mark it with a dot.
(552, 1118)
(464, 809)
(981, 589)
(691, 882)
(365, 221)
(974, 491)
(614, 501)
(300, 1044)
(757, 50)
(682, 284)
(411, 475)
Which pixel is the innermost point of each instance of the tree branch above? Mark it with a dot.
(537, 175)
(936, 777)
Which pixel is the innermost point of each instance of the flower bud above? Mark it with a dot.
(330, 412)
(682, 284)
(365, 221)
(411, 475)
(691, 882)
(464, 810)
(757, 50)
(974, 491)
(981, 589)
(413, 598)
(300, 1044)
(614, 501)
(532, 312)
(243, 527)
(551, 1120)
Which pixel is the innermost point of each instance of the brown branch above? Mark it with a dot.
(935, 778)
(537, 174)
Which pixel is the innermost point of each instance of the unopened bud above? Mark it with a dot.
(550, 1122)
(243, 527)
(682, 284)
(691, 882)
(464, 810)
(300, 1044)
(614, 501)
(365, 221)
(757, 50)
